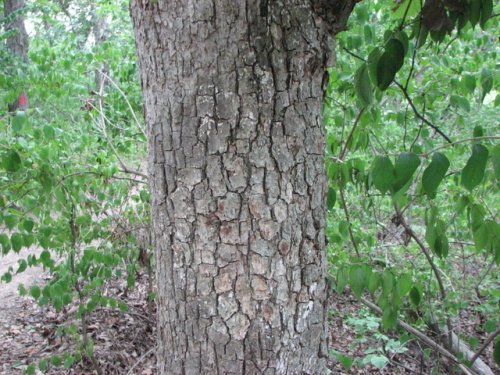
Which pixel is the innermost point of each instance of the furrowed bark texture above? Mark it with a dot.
(233, 94)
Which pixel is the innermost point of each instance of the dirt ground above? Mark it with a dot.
(124, 342)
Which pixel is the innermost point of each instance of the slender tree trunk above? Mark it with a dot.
(17, 43)
(233, 94)
(101, 34)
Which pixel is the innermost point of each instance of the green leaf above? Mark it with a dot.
(389, 63)
(345, 360)
(434, 174)
(490, 326)
(43, 365)
(331, 198)
(379, 361)
(18, 120)
(406, 164)
(435, 235)
(5, 242)
(473, 172)
(30, 370)
(45, 180)
(469, 82)
(57, 303)
(56, 360)
(481, 236)
(372, 63)
(7, 277)
(404, 284)
(403, 38)
(357, 279)
(22, 266)
(69, 360)
(45, 258)
(477, 214)
(496, 352)
(11, 161)
(478, 131)
(49, 132)
(389, 318)
(28, 224)
(35, 291)
(342, 279)
(415, 296)
(387, 282)
(495, 158)
(460, 102)
(486, 80)
(474, 11)
(486, 12)
(17, 241)
(10, 221)
(123, 306)
(363, 86)
(382, 173)
(374, 282)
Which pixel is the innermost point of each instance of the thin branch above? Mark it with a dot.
(473, 139)
(348, 218)
(102, 125)
(490, 338)
(129, 372)
(126, 100)
(401, 26)
(422, 337)
(418, 115)
(349, 136)
(414, 55)
(80, 173)
(353, 54)
(424, 251)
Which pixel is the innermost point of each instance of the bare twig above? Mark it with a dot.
(425, 251)
(129, 372)
(102, 126)
(138, 124)
(435, 270)
(353, 54)
(490, 338)
(349, 136)
(422, 337)
(349, 225)
(420, 116)
(473, 139)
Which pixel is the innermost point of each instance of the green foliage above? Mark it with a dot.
(62, 188)
(420, 169)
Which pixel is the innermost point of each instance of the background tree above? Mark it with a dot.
(17, 40)
(17, 43)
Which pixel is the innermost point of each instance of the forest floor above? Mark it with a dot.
(125, 341)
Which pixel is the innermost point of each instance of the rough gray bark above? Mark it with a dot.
(233, 94)
(17, 43)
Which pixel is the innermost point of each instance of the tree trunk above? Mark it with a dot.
(17, 43)
(233, 95)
